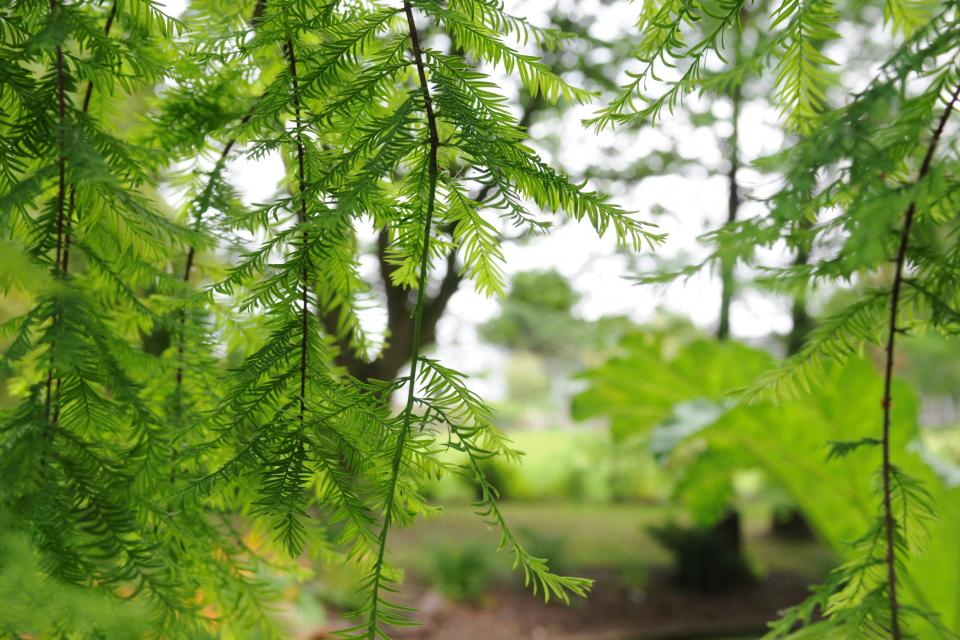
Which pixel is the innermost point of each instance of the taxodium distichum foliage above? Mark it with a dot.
(179, 419)
(867, 194)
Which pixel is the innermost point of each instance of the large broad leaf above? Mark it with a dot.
(680, 395)
(840, 496)
(933, 576)
(640, 388)
(791, 443)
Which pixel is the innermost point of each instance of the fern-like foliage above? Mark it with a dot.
(853, 601)
(86, 453)
(181, 405)
(864, 184)
(681, 43)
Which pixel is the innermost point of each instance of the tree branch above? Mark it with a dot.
(301, 220)
(901, 259)
(396, 352)
(416, 335)
(61, 192)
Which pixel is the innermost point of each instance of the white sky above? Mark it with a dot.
(694, 204)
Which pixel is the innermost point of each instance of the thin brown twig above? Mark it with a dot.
(301, 220)
(61, 191)
(889, 524)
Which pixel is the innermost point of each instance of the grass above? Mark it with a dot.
(592, 536)
(563, 498)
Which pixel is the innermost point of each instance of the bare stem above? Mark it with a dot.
(889, 524)
(432, 174)
(61, 186)
(301, 220)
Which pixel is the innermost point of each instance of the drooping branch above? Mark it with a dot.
(301, 220)
(889, 525)
(85, 108)
(64, 262)
(55, 7)
(108, 25)
(396, 352)
(203, 202)
(418, 314)
(201, 205)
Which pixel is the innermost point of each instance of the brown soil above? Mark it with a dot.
(660, 611)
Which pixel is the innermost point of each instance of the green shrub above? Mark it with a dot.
(462, 573)
(548, 545)
(706, 558)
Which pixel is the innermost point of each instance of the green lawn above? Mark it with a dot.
(589, 536)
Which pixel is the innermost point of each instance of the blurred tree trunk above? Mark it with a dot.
(399, 302)
(791, 524)
(727, 264)
(727, 531)
(802, 323)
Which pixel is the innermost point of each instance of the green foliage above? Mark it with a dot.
(182, 427)
(35, 604)
(536, 315)
(462, 573)
(562, 465)
(821, 449)
(546, 544)
(864, 182)
(703, 560)
(635, 404)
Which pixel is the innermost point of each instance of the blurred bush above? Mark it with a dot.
(548, 545)
(706, 558)
(462, 573)
(579, 465)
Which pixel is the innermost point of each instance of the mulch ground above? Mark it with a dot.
(660, 611)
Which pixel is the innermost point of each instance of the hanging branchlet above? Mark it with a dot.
(889, 522)
(50, 412)
(863, 597)
(847, 173)
(85, 452)
(422, 146)
(291, 55)
(380, 610)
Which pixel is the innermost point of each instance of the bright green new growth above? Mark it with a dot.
(136, 464)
